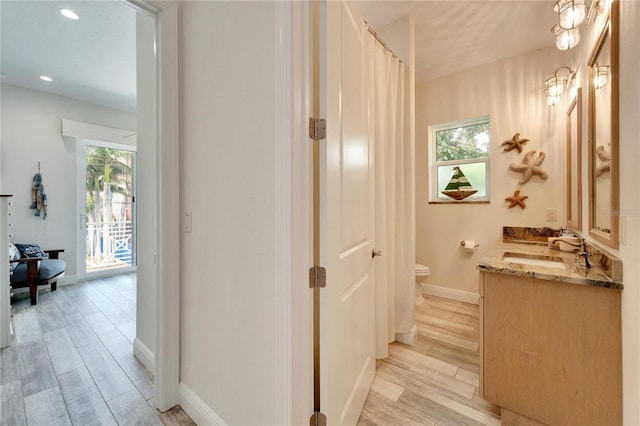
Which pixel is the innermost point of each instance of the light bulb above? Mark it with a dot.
(67, 13)
(555, 85)
(552, 100)
(566, 39)
(571, 13)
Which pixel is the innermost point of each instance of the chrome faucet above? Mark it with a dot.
(584, 252)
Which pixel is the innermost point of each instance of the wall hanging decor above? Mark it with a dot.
(38, 197)
(514, 143)
(605, 160)
(530, 166)
(459, 186)
(517, 200)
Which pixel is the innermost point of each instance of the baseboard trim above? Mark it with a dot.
(68, 280)
(144, 355)
(75, 279)
(450, 293)
(196, 408)
(408, 338)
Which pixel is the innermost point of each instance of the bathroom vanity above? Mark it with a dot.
(550, 344)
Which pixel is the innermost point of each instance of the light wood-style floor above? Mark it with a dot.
(71, 360)
(434, 382)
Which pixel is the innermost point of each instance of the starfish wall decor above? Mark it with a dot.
(530, 166)
(517, 200)
(605, 160)
(514, 143)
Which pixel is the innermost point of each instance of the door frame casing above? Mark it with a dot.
(167, 352)
(302, 219)
(167, 357)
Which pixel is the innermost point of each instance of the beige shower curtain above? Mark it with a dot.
(395, 298)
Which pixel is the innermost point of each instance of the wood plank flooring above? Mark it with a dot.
(434, 382)
(71, 360)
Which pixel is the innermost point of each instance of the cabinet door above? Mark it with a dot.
(552, 351)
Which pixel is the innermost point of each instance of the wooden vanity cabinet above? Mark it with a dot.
(550, 351)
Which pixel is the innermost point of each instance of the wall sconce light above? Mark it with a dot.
(566, 39)
(554, 86)
(601, 76)
(571, 13)
(551, 100)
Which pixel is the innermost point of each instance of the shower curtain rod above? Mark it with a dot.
(375, 35)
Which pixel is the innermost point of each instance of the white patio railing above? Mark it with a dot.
(109, 244)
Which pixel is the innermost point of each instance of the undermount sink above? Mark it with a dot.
(534, 260)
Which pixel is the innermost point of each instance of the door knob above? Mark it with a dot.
(375, 253)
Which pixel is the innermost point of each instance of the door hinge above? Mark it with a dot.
(318, 419)
(317, 129)
(317, 277)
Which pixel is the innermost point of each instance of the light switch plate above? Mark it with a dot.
(552, 215)
(187, 222)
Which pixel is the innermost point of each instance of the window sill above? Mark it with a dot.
(460, 202)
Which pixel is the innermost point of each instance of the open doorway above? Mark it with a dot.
(33, 108)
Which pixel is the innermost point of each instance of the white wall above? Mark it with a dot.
(228, 322)
(146, 201)
(31, 132)
(511, 93)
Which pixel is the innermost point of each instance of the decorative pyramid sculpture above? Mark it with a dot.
(459, 187)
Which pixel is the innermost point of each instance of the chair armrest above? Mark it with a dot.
(53, 254)
(32, 268)
(26, 260)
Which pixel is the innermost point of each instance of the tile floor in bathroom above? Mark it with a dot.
(434, 382)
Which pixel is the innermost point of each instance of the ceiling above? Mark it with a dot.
(452, 35)
(93, 59)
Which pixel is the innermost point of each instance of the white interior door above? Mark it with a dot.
(347, 221)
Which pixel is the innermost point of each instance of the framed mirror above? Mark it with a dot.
(574, 163)
(604, 180)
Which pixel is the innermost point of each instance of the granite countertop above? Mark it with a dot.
(493, 261)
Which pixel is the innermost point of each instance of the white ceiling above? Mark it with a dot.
(454, 35)
(93, 59)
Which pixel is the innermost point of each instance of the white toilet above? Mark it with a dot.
(422, 273)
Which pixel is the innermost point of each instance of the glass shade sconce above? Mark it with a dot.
(571, 13)
(566, 39)
(601, 76)
(551, 100)
(555, 86)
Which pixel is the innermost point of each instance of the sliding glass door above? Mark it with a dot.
(108, 215)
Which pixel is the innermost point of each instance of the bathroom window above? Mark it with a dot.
(459, 161)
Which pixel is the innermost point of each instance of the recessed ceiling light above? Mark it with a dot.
(69, 14)
(46, 78)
